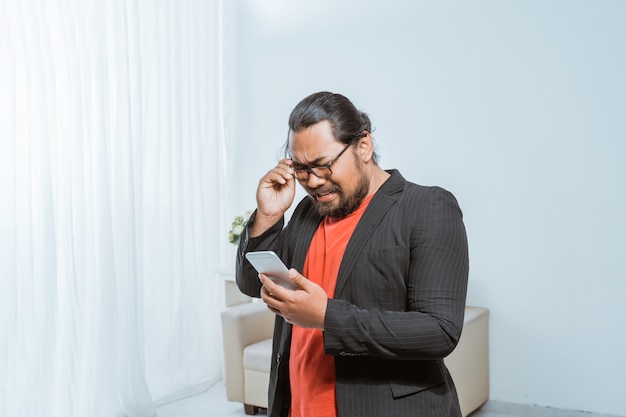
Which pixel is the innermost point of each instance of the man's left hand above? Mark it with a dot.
(304, 307)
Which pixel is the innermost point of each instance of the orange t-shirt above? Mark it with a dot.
(311, 371)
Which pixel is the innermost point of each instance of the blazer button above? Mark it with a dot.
(278, 358)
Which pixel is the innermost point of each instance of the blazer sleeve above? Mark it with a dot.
(246, 276)
(427, 320)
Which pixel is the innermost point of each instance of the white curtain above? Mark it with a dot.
(111, 145)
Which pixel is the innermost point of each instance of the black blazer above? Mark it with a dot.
(398, 305)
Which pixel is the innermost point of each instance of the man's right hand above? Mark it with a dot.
(274, 196)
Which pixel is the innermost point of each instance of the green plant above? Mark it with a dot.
(236, 228)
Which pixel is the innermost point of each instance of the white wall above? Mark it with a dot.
(519, 109)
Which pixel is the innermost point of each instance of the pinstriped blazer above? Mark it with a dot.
(398, 305)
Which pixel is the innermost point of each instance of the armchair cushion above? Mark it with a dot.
(255, 356)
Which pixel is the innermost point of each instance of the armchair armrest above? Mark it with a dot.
(242, 325)
(469, 362)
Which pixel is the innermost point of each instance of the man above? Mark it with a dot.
(381, 267)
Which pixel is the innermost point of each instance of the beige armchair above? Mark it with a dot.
(247, 334)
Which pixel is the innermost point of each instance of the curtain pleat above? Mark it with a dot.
(110, 121)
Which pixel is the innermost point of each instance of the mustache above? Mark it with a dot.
(325, 190)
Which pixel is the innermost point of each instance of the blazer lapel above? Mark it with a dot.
(385, 197)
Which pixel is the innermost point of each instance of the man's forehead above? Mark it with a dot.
(308, 152)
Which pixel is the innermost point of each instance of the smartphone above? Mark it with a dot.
(268, 263)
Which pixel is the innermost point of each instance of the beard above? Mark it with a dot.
(347, 203)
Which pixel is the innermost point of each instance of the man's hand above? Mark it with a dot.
(304, 307)
(274, 196)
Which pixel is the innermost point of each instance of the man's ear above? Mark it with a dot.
(365, 147)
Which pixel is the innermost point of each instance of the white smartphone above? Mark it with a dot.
(268, 263)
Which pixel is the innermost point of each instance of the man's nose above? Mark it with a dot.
(315, 181)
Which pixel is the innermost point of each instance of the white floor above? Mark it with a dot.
(213, 403)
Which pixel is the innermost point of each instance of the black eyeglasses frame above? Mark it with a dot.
(324, 167)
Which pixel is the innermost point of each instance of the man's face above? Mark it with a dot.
(342, 192)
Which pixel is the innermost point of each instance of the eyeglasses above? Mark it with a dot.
(320, 171)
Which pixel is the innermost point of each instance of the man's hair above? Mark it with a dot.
(346, 121)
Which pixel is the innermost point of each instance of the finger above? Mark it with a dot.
(275, 291)
(267, 283)
(286, 161)
(298, 279)
(265, 293)
(271, 302)
(276, 177)
(274, 310)
(282, 170)
(271, 289)
(269, 299)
